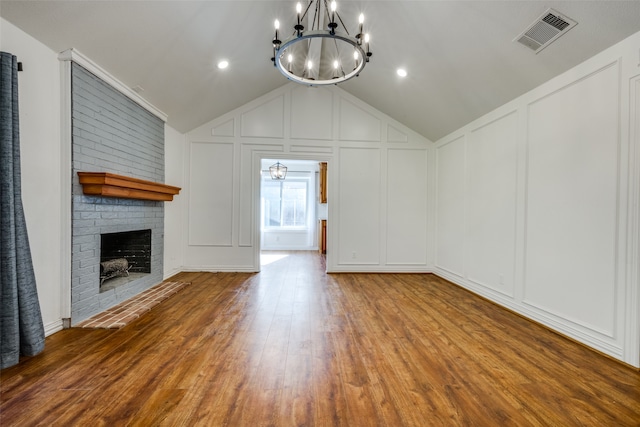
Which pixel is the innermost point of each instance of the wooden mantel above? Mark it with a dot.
(111, 185)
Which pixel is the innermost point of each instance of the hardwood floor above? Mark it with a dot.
(292, 346)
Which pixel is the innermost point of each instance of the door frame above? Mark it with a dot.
(256, 170)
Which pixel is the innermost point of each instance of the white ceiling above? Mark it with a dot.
(460, 55)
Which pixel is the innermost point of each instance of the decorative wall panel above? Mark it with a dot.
(265, 120)
(357, 124)
(572, 194)
(491, 209)
(224, 129)
(210, 194)
(451, 206)
(359, 201)
(406, 204)
(395, 135)
(311, 113)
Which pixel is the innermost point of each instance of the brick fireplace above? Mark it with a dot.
(113, 134)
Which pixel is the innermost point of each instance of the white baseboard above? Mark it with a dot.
(363, 268)
(221, 268)
(586, 336)
(168, 274)
(52, 327)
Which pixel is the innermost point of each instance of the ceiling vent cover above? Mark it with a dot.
(545, 30)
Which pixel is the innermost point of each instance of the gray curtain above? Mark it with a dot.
(21, 329)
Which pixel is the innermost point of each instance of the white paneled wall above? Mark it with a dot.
(572, 201)
(265, 120)
(491, 197)
(407, 203)
(173, 175)
(311, 114)
(378, 181)
(631, 294)
(211, 197)
(358, 124)
(450, 157)
(359, 206)
(537, 203)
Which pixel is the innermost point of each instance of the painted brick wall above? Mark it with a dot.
(111, 133)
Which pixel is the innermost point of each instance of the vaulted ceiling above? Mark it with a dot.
(460, 56)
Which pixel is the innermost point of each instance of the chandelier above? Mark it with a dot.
(278, 171)
(324, 53)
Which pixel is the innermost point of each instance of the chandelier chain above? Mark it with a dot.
(346, 30)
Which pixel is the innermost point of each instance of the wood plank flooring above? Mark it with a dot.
(292, 346)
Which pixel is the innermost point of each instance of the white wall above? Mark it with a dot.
(537, 203)
(174, 147)
(377, 175)
(39, 92)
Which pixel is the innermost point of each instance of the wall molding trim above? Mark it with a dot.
(65, 186)
(632, 297)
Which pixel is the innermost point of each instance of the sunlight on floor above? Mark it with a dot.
(266, 259)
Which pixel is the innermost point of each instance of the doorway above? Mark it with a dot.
(290, 208)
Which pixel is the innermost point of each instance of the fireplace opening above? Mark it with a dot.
(124, 257)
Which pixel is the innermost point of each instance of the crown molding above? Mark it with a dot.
(76, 56)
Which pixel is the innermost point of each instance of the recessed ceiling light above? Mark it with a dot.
(223, 64)
(402, 72)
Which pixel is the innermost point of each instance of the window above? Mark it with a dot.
(285, 203)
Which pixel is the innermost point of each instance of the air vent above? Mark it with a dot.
(545, 30)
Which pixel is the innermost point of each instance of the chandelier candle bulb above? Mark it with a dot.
(333, 25)
(298, 26)
(366, 40)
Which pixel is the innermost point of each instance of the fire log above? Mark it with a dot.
(113, 268)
